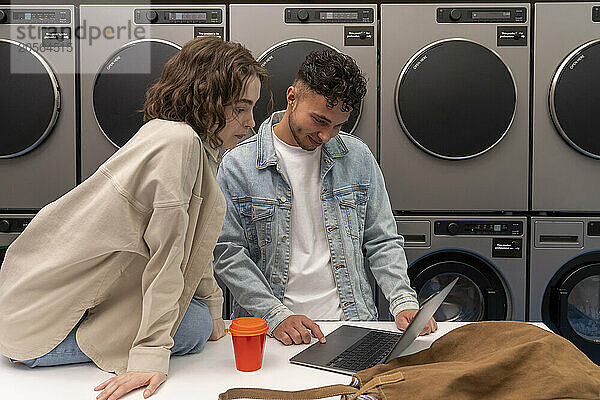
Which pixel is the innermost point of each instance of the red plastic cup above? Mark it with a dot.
(248, 335)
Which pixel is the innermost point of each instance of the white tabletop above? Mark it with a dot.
(201, 376)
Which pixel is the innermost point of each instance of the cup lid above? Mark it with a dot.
(248, 326)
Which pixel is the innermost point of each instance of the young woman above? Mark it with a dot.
(119, 270)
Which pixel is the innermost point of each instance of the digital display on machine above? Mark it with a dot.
(334, 15)
(36, 15)
(490, 15)
(512, 228)
(484, 227)
(187, 16)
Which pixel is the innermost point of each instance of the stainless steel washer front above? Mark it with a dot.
(565, 279)
(486, 253)
(123, 53)
(566, 100)
(455, 106)
(281, 35)
(37, 105)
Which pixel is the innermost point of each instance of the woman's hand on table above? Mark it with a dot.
(120, 385)
(218, 329)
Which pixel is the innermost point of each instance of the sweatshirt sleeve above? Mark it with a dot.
(162, 286)
(156, 171)
(210, 293)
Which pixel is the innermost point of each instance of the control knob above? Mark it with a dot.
(453, 228)
(4, 225)
(363, 35)
(152, 16)
(455, 14)
(2, 16)
(303, 15)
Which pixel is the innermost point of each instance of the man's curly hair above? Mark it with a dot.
(335, 76)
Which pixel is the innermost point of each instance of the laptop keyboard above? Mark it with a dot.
(370, 350)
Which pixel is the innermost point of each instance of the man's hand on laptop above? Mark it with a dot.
(295, 330)
(404, 317)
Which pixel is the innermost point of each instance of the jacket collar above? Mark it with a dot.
(266, 156)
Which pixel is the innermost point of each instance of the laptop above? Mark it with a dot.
(350, 349)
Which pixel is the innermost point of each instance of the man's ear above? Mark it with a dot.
(291, 95)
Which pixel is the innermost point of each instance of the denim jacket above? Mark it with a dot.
(253, 250)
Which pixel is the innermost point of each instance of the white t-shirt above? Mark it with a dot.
(311, 288)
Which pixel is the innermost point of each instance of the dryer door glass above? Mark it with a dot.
(464, 303)
(584, 308)
(29, 99)
(480, 293)
(571, 303)
(121, 84)
(283, 61)
(575, 99)
(455, 99)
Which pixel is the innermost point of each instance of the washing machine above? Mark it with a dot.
(11, 225)
(37, 105)
(487, 253)
(123, 51)
(455, 106)
(566, 100)
(281, 35)
(565, 279)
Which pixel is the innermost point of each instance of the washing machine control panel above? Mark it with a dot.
(596, 13)
(479, 227)
(178, 16)
(35, 17)
(13, 224)
(482, 15)
(593, 228)
(329, 15)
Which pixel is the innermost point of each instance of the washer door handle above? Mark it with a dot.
(494, 305)
(563, 309)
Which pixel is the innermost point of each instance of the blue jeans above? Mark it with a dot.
(193, 332)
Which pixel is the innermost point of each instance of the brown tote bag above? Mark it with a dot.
(484, 360)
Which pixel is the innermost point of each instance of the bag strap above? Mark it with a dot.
(379, 380)
(309, 394)
(316, 393)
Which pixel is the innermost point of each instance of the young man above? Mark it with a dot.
(305, 206)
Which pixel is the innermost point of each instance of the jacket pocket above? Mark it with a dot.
(259, 213)
(352, 201)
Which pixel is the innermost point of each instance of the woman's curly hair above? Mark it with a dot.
(335, 76)
(197, 84)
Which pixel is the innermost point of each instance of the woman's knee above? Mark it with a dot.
(194, 330)
(66, 352)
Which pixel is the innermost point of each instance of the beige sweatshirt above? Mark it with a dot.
(132, 244)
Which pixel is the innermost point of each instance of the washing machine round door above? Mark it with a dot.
(455, 99)
(121, 84)
(29, 99)
(575, 99)
(477, 296)
(283, 61)
(571, 304)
